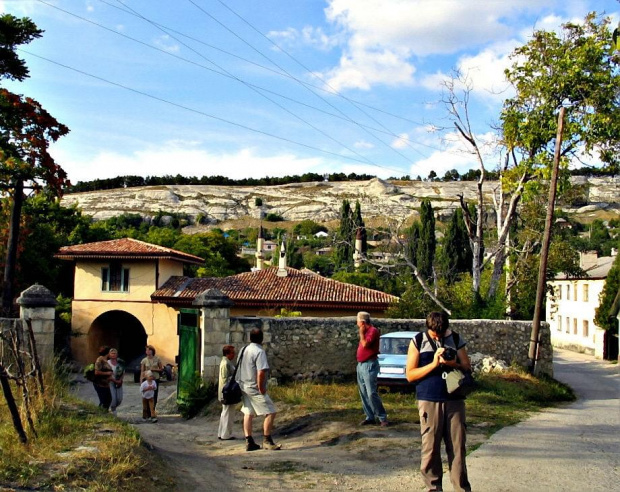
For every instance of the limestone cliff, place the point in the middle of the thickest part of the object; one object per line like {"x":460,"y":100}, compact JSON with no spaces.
{"x":318,"y":201}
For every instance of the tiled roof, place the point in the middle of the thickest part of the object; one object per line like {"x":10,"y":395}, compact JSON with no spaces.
{"x":125,"y":248}
{"x":300,"y":288}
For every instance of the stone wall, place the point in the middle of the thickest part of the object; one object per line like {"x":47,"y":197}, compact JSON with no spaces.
{"x":324,"y":348}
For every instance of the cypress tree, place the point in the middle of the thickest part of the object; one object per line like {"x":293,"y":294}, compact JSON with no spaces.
{"x":428,"y":243}
{"x":343,"y":254}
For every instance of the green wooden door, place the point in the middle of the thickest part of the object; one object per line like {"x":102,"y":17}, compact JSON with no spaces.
{"x":188,"y":330}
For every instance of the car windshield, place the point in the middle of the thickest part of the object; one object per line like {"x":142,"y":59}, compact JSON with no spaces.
{"x":394,"y":346}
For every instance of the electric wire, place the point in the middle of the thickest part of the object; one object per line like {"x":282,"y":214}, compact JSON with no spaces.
{"x":313,"y":73}
{"x":322,"y":89}
{"x":187,"y":60}
{"x":365,"y":159}
{"x":193,"y":110}
{"x":294,"y":78}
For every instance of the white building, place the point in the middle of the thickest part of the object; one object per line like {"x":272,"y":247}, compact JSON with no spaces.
{"x":571,"y":305}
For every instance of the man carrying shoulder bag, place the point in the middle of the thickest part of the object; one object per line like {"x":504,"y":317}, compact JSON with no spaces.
{"x":431,"y":356}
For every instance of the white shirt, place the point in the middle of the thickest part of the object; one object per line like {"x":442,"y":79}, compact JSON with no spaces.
{"x":254,"y":360}
{"x":147,"y":394}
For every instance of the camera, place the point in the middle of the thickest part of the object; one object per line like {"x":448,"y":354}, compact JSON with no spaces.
{"x":449,"y":353}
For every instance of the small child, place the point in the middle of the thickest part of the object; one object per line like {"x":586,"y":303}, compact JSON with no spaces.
{"x":147,"y":388}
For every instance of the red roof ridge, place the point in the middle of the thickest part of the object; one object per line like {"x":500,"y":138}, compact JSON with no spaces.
{"x":124,"y":247}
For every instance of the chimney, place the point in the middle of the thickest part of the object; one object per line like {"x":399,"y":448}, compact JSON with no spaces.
{"x":282,"y":261}
{"x":260,"y":244}
{"x":357,"y":254}
{"x":588,"y":259}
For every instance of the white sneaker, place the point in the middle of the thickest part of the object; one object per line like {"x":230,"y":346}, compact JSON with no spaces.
{"x":154,"y":419}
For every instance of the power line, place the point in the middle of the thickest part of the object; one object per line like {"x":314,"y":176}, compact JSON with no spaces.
{"x":196,"y":111}
{"x":314,"y":74}
{"x":368,"y":161}
{"x":277,"y":72}
{"x":281,"y":72}
{"x":187,"y":60}
{"x":294,"y":78}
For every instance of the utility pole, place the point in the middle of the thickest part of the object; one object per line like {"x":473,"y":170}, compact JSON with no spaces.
{"x":544,"y":253}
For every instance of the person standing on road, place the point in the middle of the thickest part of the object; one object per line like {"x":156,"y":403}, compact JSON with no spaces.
{"x":116,"y":382}
{"x":442,"y":416}
{"x":252,"y":375}
{"x":103,"y":375}
{"x":227,"y":417}
{"x":367,"y":371}
{"x":151,"y":363}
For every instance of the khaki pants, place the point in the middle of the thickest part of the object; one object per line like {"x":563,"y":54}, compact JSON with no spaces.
{"x":148,"y":408}
{"x":443,"y":421}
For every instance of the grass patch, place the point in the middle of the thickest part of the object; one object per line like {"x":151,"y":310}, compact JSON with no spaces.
{"x":77,"y":448}
{"x":502,"y":399}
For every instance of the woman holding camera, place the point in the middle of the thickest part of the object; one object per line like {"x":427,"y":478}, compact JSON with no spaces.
{"x":430,"y":357}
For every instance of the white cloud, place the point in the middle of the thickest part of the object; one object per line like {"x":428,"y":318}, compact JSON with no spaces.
{"x":363,"y":144}
{"x":398,"y":30}
{"x":308,"y":36}
{"x":189,"y":160}
{"x":401,"y":142}
{"x":166,"y":43}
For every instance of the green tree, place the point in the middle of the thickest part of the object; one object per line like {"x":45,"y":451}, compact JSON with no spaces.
{"x":358,"y":223}
{"x":308,"y":228}
{"x":607,"y":297}
{"x":425,"y":254}
{"x":456,"y":253}
{"x":343,"y":250}
{"x":26,"y":130}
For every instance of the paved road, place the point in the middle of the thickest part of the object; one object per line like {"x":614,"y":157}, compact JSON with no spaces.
{"x":575,"y":447}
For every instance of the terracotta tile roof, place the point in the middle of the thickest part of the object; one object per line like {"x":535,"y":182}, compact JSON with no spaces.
{"x":125,"y":248}
{"x":300,"y":288}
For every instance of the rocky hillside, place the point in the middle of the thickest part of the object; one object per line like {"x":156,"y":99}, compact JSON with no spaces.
{"x":319,"y":201}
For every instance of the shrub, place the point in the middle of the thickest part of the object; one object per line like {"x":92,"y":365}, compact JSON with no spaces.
{"x":199,"y":395}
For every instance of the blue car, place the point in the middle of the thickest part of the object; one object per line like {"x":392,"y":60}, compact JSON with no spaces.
{"x":393,"y":349}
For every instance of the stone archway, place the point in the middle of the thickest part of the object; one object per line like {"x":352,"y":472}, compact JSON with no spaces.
{"x":121,"y":330}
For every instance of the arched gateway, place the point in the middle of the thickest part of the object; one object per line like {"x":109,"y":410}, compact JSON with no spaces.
{"x":118,"y":329}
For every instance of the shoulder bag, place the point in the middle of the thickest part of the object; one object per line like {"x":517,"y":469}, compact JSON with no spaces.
{"x":231,"y":392}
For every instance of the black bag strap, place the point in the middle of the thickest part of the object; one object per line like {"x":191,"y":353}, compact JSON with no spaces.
{"x":431,"y":341}
{"x":238,"y":363}
{"x":417,"y":340}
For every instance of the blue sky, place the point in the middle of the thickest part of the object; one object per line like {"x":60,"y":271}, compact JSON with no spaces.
{"x":259,"y":88}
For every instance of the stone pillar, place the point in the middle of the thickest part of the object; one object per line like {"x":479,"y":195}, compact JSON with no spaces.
{"x":36,"y":305}
{"x":215,"y":329}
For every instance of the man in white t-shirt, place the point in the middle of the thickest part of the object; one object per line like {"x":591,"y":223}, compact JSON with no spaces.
{"x":252,"y":376}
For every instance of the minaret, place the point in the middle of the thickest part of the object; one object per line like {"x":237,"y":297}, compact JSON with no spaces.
{"x":282,"y":261}
{"x":357,"y":254}
{"x":260,"y":244}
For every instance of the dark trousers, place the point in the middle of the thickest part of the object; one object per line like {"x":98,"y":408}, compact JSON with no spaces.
{"x":105,"y":396}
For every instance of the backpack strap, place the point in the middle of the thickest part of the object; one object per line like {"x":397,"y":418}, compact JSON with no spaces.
{"x":457,"y":339}
{"x":417,"y":340}
{"x":238,"y":363}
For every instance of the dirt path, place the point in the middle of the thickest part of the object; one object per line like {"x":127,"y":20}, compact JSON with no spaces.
{"x":317,"y":453}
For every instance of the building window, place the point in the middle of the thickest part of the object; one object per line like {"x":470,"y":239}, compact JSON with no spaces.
{"x":568,"y":292}
{"x":586,"y":328}
{"x":559,"y":292}
{"x":115,"y":278}
{"x":586,"y":292}
{"x":567,"y":325}
{"x":574,"y":326}
{"x":559,"y":323}
{"x":575,"y":291}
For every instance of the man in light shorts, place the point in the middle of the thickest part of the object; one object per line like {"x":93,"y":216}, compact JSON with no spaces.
{"x":252,"y":376}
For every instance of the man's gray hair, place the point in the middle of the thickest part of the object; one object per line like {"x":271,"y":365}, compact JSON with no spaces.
{"x":363,"y":316}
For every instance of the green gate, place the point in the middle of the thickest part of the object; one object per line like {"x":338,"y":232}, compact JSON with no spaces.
{"x":188,"y":360}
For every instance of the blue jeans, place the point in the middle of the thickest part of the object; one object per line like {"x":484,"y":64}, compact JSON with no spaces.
{"x":367,"y":384}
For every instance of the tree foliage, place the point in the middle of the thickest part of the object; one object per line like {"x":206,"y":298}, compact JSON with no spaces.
{"x":607,"y":297}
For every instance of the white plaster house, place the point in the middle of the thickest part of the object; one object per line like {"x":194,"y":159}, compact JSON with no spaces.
{"x":571,"y":305}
